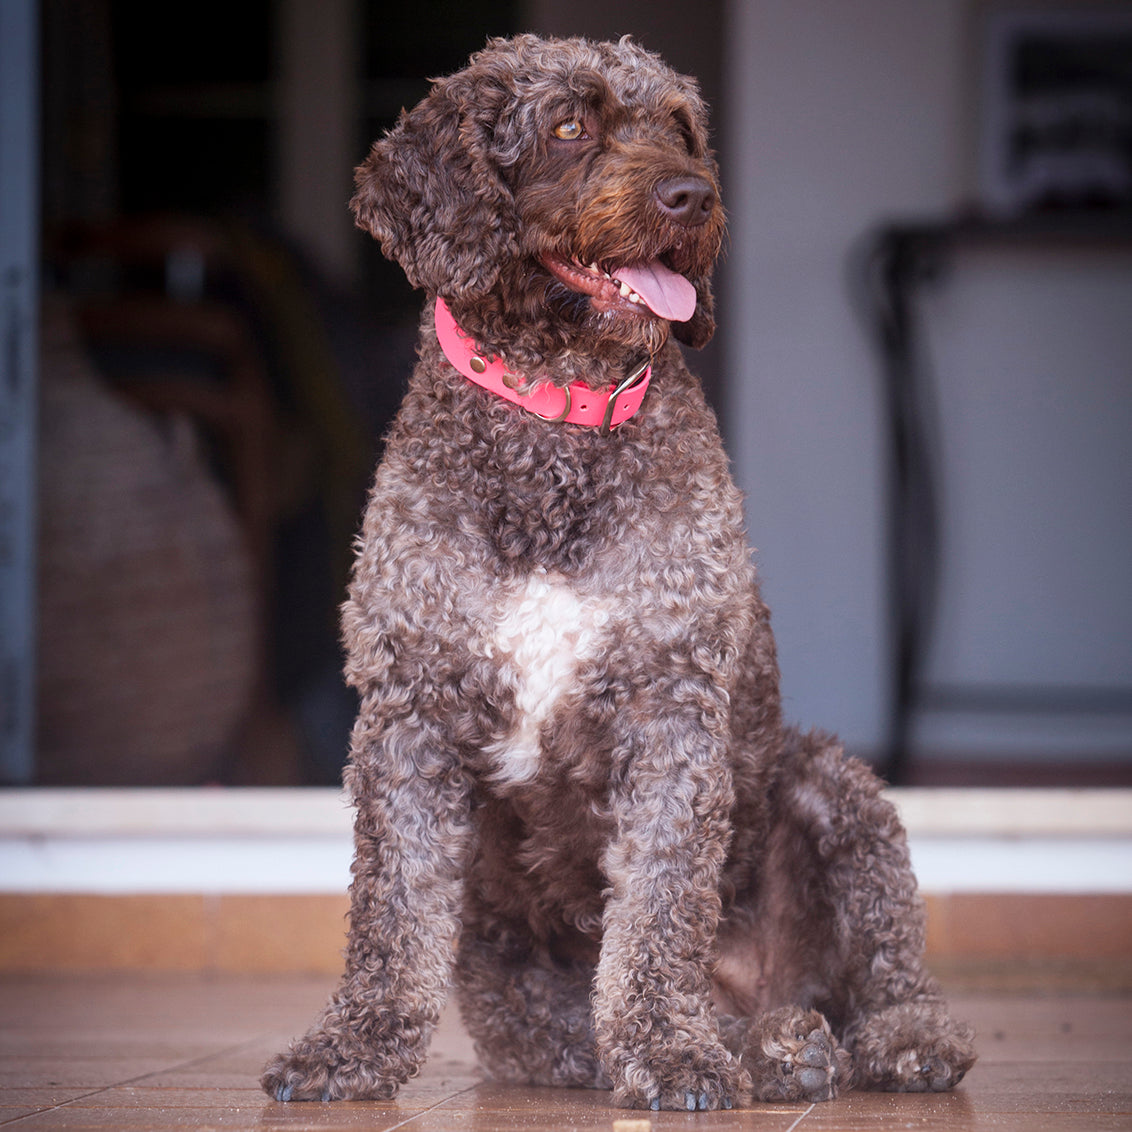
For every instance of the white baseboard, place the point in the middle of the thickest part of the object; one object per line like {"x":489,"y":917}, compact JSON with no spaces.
{"x":294,"y":840}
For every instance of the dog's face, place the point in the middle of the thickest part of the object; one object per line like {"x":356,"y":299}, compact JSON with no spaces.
{"x":555,"y":184}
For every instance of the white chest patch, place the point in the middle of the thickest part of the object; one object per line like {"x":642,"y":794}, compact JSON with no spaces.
{"x":545,"y":630}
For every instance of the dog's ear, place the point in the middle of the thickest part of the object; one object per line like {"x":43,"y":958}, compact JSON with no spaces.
{"x":431,"y":194}
{"x":697,"y":332}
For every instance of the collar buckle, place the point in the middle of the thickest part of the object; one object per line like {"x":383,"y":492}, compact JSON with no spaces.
{"x":634,"y":378}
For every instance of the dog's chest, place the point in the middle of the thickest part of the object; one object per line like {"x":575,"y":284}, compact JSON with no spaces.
{"x":544,"y":632}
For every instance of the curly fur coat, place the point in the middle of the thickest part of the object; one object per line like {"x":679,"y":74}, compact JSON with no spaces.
{"x":576,"y":797}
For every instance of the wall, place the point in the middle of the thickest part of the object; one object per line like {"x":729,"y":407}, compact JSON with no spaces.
{"x":1033,"y":355}
{"x":843,"y":114}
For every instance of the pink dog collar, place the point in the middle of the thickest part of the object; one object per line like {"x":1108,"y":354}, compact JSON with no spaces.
{"x":574,"y":404}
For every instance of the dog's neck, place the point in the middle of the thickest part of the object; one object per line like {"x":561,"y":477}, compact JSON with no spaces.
{"x":576,"y":403}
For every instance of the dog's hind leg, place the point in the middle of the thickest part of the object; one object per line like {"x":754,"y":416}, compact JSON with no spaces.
{"x":411,"y":834}
{"x":888,"y":1011}
{"x":527,"y":1009}
{"x":791,"y":1054}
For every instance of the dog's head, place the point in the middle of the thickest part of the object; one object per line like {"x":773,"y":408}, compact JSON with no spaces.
{"x":558,"y":184}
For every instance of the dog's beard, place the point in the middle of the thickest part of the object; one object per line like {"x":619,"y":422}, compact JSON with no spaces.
{"x":603,"y":329}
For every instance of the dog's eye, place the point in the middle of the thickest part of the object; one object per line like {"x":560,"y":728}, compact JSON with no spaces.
{"x":687,"y":133}
{"x":571,"y":130}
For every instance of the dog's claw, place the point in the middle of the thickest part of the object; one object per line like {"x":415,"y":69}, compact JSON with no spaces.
{"x":693,"y":1102}
{"x":283,"y":1093}
{"x":727,"y":1102}
{"x":654,"y":1104}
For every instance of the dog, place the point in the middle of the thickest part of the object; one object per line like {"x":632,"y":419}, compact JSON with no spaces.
{"x":576,"y":798}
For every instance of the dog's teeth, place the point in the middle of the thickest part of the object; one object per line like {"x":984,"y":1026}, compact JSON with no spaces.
{"x":625,"y":292}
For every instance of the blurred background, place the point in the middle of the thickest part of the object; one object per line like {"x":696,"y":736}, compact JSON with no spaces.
{"x":923,"y":368}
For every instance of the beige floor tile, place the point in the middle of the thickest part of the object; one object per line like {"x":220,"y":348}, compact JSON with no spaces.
{"x":175,"y":1051}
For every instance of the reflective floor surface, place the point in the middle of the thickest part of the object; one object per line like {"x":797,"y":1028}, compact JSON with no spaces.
{"x":156,"y":1052}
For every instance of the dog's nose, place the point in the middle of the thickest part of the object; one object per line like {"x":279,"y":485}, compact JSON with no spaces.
{"x":687,"y":200}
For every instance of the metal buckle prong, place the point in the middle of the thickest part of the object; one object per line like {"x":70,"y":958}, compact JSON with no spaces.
{"x":630,"y":382}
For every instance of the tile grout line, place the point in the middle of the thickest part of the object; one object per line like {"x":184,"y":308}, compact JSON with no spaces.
{"x":55,"y":1107}
{"x":181,"y":1065}
{"x":125,"y":1084}
{"x":432,"y":1108}
{"x":801,"y":1118}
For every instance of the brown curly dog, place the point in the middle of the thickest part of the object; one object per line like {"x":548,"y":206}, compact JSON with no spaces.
{"x":575,"y":794}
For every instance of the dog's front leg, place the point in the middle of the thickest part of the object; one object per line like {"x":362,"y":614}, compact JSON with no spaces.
{"x":656,"y":1031}
{"x":411,"y":834}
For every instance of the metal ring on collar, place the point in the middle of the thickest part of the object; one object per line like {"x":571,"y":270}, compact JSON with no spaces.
{"x":565,"y":411}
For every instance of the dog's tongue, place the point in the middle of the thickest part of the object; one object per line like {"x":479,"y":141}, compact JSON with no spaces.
{"x":667,"y":294}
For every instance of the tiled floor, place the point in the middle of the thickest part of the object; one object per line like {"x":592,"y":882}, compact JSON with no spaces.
{"x":154,"y":1052}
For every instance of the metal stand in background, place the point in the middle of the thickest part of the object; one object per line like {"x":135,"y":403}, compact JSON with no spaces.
{"x":19,"y":251}
{"x":896,"y":261}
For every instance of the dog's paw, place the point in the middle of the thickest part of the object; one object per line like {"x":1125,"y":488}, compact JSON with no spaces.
{"x":697,"y":1080}
{"x":313,"y":1073}
{"x":793,"y":1056}
{"x":915,"y":1047}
